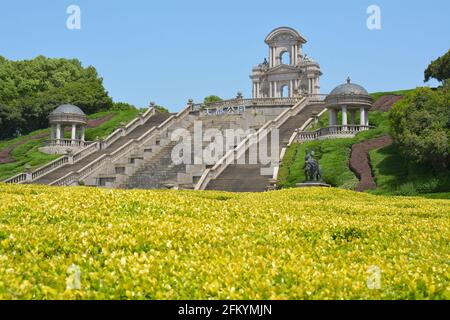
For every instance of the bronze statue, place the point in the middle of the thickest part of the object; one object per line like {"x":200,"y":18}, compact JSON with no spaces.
{"x":312,"y":169}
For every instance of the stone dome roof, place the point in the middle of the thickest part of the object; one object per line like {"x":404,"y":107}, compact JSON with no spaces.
{"x":68,"y":108}
{"x":349,"y":88}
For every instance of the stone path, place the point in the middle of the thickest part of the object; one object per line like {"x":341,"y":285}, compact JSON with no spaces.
{"x":359,"y":161}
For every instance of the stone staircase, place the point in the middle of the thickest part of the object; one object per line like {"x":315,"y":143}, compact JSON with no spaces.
{"x":247,"y":177}
{"x":139,"y":154}
{"x":153,"y":121}
{"x":160,"y":173}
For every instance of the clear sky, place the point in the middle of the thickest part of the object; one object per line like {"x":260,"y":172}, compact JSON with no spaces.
{"x":169,"y":51}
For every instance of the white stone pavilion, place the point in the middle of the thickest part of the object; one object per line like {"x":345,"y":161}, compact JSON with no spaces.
{"x":64,"y":116}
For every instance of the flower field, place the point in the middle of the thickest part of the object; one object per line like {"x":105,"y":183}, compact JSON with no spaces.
{"x":290,"y":244}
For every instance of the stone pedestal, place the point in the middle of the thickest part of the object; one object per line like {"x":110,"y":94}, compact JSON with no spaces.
{"x":312,"y":184}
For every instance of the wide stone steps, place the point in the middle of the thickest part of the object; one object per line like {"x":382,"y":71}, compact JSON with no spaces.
{"x":247,"y":177}
{"x":159,"y":172}
{"x":155,"y":120}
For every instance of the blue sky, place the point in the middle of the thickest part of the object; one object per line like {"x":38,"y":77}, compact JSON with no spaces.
{"x":169,"y":51}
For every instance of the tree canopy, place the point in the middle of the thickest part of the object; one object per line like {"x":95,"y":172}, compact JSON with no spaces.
{"x":420,"y":125}
{"x":31,"y":89}
{"x":211,"y":99}
{"x":439,"y":69}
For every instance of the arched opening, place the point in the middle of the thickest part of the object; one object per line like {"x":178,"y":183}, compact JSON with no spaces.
{"x":285,"y":91}
{"x":285,"y":58}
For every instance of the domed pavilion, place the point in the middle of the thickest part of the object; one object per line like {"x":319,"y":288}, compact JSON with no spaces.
{"x":349,"y":98}
{"x":63,"y":117}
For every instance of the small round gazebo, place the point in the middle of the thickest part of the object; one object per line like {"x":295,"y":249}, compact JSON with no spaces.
{"x":64,"y":116}
{"x":349,"y":98}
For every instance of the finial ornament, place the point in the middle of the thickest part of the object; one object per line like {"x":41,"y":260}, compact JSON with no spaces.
{"x":348,"y":79}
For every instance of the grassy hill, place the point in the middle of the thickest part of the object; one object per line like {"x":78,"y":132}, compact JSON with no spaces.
{"x":24,"y":150}
{"x":317,"y":243}
{"x":392,"y":173}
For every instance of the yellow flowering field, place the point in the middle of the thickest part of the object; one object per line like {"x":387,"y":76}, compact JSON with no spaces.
{"x":318,"y":243}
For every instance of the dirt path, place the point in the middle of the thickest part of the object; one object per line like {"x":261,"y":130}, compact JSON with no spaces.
{"x":5,"y":154}
{"x":359,"y":161}
{"x":385,"y":102}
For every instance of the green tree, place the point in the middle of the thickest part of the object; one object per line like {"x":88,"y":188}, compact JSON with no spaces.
{"x":123,"y":106}
{"x":162,"y":109}
{"x":439,"y":69}
{"x":10,"y":120}
{"x":31,"y":89}
{"x":420,"y":125}
{"x":211,"y":99}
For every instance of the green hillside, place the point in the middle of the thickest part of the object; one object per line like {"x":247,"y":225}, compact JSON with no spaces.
{"x":392,"y":173}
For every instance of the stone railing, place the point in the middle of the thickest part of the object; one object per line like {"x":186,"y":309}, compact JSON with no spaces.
{"x":20,"y":178}
{"x":240,"y":149}
{"x":316,"y":98}
{"x":71,"y":159}
{"x":127,"y":148}
{"x":85,"y":152}
{"x":52,"y":166}
{"x":42,"y":171}
{"x":65,"y":143}
{"x":117,"y":134}
{"x":248,"y":103}
{"x":331,"y":132}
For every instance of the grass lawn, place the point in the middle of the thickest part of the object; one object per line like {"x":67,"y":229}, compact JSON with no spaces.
{"x":26,"y":154}
{"x":333,"y":156}
{"x":377,"y":95}
{"x":394,"y":175}
{"x":109,"y":126}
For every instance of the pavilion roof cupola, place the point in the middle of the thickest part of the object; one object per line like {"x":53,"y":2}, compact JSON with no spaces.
{"x":287,"y":72}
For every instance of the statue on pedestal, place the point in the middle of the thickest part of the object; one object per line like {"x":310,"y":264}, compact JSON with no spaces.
{"x":312,"y":169}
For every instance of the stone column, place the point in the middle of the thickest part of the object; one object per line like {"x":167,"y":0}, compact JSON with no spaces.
{"x":273,"y":57}
{"x":344,"y":117}
{"x":275,"y":89}
{"x":58,"y":131}
{"x":330,"y":117}
{"x":74,"y":133}
{"x":270,"y":57}
{"x":332,"y":120}
{"x":367,"y":117}
{"x":295,"y":55}
{"x":83,"y":133}
{"x":270,"y":89}
{"x":352,"y":117}
{"x":362,"y":116}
